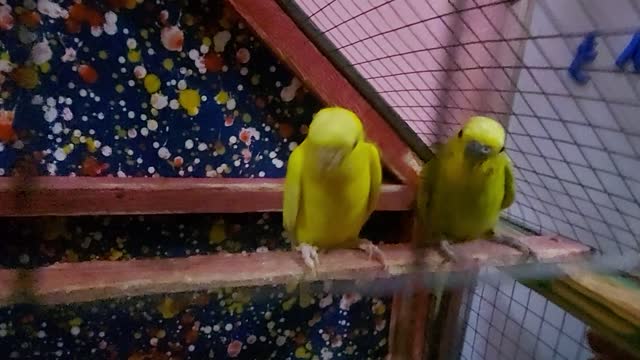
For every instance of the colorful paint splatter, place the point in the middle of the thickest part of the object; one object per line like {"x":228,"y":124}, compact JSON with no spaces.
{"x":222,"y":325}
{"x":33,"y":242}
{"x":159,"y":88}
{"x":132,"y":88}
{"x":272,"y":322}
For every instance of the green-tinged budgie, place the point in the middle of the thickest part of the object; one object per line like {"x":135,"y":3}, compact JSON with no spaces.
{"x":463,"y":190}
{"x":332,"y":185}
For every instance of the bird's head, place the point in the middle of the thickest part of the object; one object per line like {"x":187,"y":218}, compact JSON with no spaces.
{"x":333,"y":134}
{"x":482,"y":138}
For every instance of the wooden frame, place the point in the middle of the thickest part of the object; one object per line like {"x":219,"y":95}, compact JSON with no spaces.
{"x":108,"y":195}
{"x":328,"y":49}
{"x":292,"y":47}
{"x":609,"y":304}
{"x":78,"y":282}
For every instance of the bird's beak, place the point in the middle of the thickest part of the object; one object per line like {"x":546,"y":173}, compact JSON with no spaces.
{"x":330,"y":159}
{"x":476,"y":151}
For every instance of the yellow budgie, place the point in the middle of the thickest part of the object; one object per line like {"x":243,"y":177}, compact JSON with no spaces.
{"x":463,"y":190}
{"x":466,"y":185}
{"x":332,"y":185}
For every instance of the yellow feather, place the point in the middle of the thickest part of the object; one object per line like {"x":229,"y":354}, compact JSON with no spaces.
{"x":327,"y":208}
{"x":463,"y":201}
{"x":459,"y":198}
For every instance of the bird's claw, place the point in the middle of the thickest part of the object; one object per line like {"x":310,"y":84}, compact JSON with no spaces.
{"x":452,"y":256}
{"x":448,"y":251}
{"x":527,"y":252}
{"x":309,"y":255}
{"x":373,"y":251}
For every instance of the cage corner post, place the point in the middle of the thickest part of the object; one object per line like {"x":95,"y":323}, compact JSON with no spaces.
{"x":409,"y":311}
{"x":409,"y":332}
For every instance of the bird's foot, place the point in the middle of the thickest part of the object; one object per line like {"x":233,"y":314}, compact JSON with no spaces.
{"x":451,"y":255}
{"x":373,"y":251}
{"x":527,"y":252}
{"x":309,"y":255}
{"x":448,"y":251}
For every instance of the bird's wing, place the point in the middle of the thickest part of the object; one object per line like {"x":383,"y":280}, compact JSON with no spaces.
{"x":509,"y":184}
{"x":375,"y":177}
{"x":425,"y":189}
{"x":292,"y":191}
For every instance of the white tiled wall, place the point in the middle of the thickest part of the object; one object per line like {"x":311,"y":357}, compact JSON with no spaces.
{"x":576,"y":148}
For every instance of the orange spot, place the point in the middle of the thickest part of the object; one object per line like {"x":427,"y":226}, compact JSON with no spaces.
{"x":38,"y":155}
{"x":94,"y":18}
{"x":7,"y":133}
{"x":243,"y":55}
{"x":187,"y":319}
{"x":245,"y":136}
{"x":153,"y":354}
{"x":27,"y":319}
{"x":228,"y":121}
{"x":285,"y":130}
{"x":229,"y":14}
{"x":80,"y":14}
{"x":178,"y":161}
{"x":260,"y":102}
{"x":77,"y":12}
{"x":72,"y":26}
{"x":213,"y":62}
{"x":87,"y":73}
{"x":92,"y":167}
{"x":6,"y":19}
{"x":246,"y":155}
{"x":118,"y":4}
{"x":300,"y":339}
{"x":172,"y":38}
{"x":201,"y":300}
{"x":31,"y":19}
{"x":234,"y":348}
{"x":191,"y":336}
{"x":270,"y":120}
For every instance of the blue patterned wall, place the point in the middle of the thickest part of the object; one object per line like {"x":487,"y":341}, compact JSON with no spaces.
{"x":246,"y":117}
{"x":250,"y":114}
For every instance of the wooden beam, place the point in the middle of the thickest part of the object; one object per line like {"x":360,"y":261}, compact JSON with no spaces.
{"x":289,"y":43}
{"x":94,"y":280}
{"x":51,"y":195}
{"x":608,"y":303}
{"x":605,"y":349}
{"x":408,"y":310}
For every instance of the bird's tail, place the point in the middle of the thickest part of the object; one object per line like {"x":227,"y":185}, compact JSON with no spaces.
{"x":306,"y":297}
{"x":436,"y":318}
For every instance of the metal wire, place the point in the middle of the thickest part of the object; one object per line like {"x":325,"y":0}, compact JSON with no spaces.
{"x":576,"y":149}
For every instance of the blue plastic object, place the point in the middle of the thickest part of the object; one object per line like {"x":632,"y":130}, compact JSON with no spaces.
{"x":586,"y":54}
{"x":631,"y":51}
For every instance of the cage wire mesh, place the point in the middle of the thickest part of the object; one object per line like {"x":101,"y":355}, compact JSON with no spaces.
{"x":575,"y":147}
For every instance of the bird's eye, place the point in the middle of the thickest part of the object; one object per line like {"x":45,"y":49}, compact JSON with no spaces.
{"x":460,"y":133}
{"x":502,"y":149}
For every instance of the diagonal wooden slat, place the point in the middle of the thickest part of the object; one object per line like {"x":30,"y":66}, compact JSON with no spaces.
{"x":290,"y":44}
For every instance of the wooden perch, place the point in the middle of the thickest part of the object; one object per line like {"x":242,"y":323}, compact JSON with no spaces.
{"x":604,"y":349}
{"x":608,"y":303}
{"x":95,"y":280}
{"x":108,"y":196}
